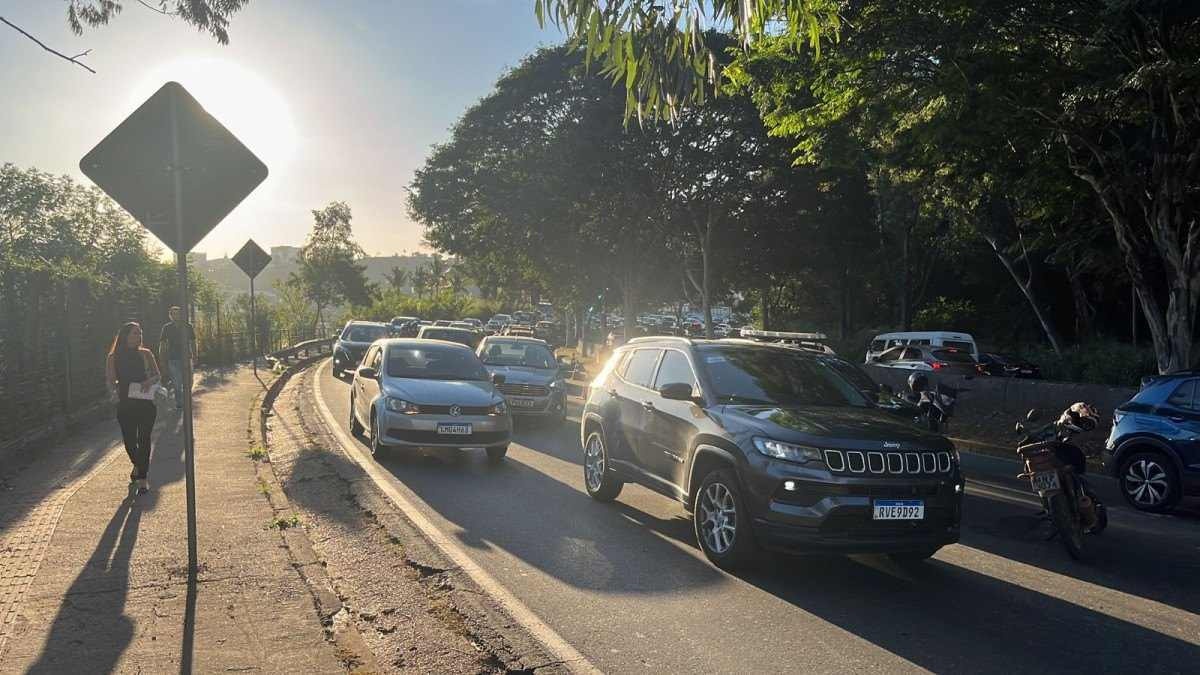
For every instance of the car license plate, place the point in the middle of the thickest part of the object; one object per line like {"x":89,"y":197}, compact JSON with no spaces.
{"x":454,"y":429}
{"x":1046,"y":480}
{"x":521,"y":402}
{"x":899,"y":509}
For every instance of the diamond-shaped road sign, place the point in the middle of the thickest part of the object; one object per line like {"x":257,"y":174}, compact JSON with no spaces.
{"x":134,"y":165}
{"x":251,"y":258}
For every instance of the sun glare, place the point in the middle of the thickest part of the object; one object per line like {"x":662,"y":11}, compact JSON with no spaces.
{"x":247,"y":104}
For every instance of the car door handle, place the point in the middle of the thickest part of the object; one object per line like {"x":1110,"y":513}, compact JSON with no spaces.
{"x":1175,"y":419}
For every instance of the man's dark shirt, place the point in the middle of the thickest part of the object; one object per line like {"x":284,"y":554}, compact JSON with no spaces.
{"x":172,"y":335}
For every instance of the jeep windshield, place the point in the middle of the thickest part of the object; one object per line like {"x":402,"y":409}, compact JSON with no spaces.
{"x":435,"y":363}
{"x":518,"y":353}
{"x":364,"y":333}
{"x":764,"y":376}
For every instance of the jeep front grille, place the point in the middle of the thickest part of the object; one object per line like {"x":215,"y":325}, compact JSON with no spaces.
{"x":885,"y":463}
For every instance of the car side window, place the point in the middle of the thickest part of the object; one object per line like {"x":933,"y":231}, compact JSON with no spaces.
{"x":674,"y":368}
{"x":640,"y":368}
{"x":911,"y":354}
{"x":1184,"y":396}
{"x":890,"y":355}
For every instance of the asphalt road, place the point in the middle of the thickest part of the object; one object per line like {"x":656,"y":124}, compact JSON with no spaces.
{"x":625,"y":584}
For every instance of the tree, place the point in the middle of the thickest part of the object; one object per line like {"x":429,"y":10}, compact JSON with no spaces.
{"x":329,"y":272}
{"x":210,"y":16}
{"x":657,"y":49}
{"x":397,"y":278}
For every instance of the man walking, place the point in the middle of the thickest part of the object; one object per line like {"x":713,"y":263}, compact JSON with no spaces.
{"x":177,"y":342}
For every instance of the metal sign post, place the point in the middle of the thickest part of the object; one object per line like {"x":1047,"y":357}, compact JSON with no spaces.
{"x":252,"y":259}
{"x":179,"y":172}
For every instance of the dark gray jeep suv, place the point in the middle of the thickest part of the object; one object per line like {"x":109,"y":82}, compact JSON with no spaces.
{"x":768,"y":447}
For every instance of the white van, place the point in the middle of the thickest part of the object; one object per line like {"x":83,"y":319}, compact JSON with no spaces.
{"x":932,"y":338}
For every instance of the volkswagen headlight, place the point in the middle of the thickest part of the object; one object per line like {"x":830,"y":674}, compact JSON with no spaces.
{"x":500,"y":408}
{"x":787,"y":451}
{"x":399,"y":405}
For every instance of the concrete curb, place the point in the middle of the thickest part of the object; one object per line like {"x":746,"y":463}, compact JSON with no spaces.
{"x":352,"y":650}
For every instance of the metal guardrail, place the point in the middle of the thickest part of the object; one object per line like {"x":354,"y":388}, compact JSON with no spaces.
{"x":304,"y":349}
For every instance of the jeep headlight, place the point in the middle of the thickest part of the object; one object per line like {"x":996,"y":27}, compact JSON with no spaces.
{"x":399,"y":405}
{"x":790,"y":452}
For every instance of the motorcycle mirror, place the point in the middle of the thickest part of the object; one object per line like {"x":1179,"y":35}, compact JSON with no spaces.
{"x":1032,"y":415}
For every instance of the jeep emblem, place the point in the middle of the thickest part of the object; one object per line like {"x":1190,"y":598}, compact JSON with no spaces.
{"x":891,"y":445}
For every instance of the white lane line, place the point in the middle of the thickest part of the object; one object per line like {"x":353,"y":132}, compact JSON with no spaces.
{"x":554,"y":643}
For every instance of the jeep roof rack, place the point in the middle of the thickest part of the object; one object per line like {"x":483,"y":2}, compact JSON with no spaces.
{"x":783,"y":335}
{"x":656,"y":338}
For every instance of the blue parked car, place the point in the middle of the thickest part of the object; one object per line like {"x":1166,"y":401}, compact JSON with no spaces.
{"x":1154,"y":447}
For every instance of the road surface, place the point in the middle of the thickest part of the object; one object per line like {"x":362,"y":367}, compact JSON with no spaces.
{"x":625,"y":585}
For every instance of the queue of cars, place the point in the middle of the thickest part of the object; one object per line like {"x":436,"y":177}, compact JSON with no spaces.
{"x":447,"y":385}
{"x":945,"y":352}
{"x":770,"y":441}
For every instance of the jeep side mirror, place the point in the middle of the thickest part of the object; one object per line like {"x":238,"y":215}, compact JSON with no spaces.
{"x":676,"y":391}
{"x":498,"y":378}
{"x":368,"y":373}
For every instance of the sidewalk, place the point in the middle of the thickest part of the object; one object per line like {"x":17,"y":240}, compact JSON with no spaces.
{"x":91,"y":581}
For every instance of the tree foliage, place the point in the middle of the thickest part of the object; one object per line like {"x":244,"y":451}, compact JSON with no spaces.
{"x":329,"y":269}
{"x":208,"y":16}
{"x":657,"y":50}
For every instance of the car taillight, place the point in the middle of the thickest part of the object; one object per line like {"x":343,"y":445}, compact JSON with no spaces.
{"x":938,"y":365}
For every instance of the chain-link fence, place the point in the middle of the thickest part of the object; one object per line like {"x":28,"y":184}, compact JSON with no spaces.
{"x":55,"y":335}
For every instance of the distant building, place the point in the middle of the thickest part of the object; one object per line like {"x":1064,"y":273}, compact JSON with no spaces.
{"x":197,"y":258}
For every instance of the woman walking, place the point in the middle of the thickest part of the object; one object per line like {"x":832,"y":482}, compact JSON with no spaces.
{"x":132,"y":369}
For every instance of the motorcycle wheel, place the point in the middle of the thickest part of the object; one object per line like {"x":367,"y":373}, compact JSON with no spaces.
{"x":1068,"y":523}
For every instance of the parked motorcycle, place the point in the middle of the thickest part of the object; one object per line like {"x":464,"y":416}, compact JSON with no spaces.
{"x":934,"y":406}
{"x":1055,"y":467}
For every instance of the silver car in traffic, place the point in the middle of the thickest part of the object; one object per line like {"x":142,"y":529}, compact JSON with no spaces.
{"x":533,"y":380}
{"x":428,"y":393}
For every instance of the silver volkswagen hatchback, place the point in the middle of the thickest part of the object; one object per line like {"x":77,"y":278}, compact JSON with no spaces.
{"x":428,"y":393}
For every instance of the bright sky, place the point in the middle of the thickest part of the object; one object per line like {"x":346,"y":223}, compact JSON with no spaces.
{"x":340,"y":98}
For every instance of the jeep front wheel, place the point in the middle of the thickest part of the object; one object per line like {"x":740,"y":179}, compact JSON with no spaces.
{"x":722,"y":523}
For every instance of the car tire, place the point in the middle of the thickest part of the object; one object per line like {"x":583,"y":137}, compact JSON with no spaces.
{"x":722,"y":522}
{"x":1149,"y":482}
{"x":496,"y":454}
{"x":378,"y":447}
{"x":598,"y":479}
{"x":356,"y":427}
{"x":912,"y":557}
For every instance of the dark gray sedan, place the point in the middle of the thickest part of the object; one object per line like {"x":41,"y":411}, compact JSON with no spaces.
{"x":533,"y":380}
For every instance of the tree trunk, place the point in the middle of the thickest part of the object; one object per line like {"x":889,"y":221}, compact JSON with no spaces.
{"x":906,"y":280}
{"x":1084,"y":311}
{"x":1027,"y":290}
{"x":845,"y":323}
{"x":765,"y":300}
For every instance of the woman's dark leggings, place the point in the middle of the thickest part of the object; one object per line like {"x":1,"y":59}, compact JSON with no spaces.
{"x":136,"y":418}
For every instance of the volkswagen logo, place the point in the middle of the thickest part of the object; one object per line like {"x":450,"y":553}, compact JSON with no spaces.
{"x":455,"y":411}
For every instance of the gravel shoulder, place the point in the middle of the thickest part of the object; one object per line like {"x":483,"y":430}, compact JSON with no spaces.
{"x":414,"y":609}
